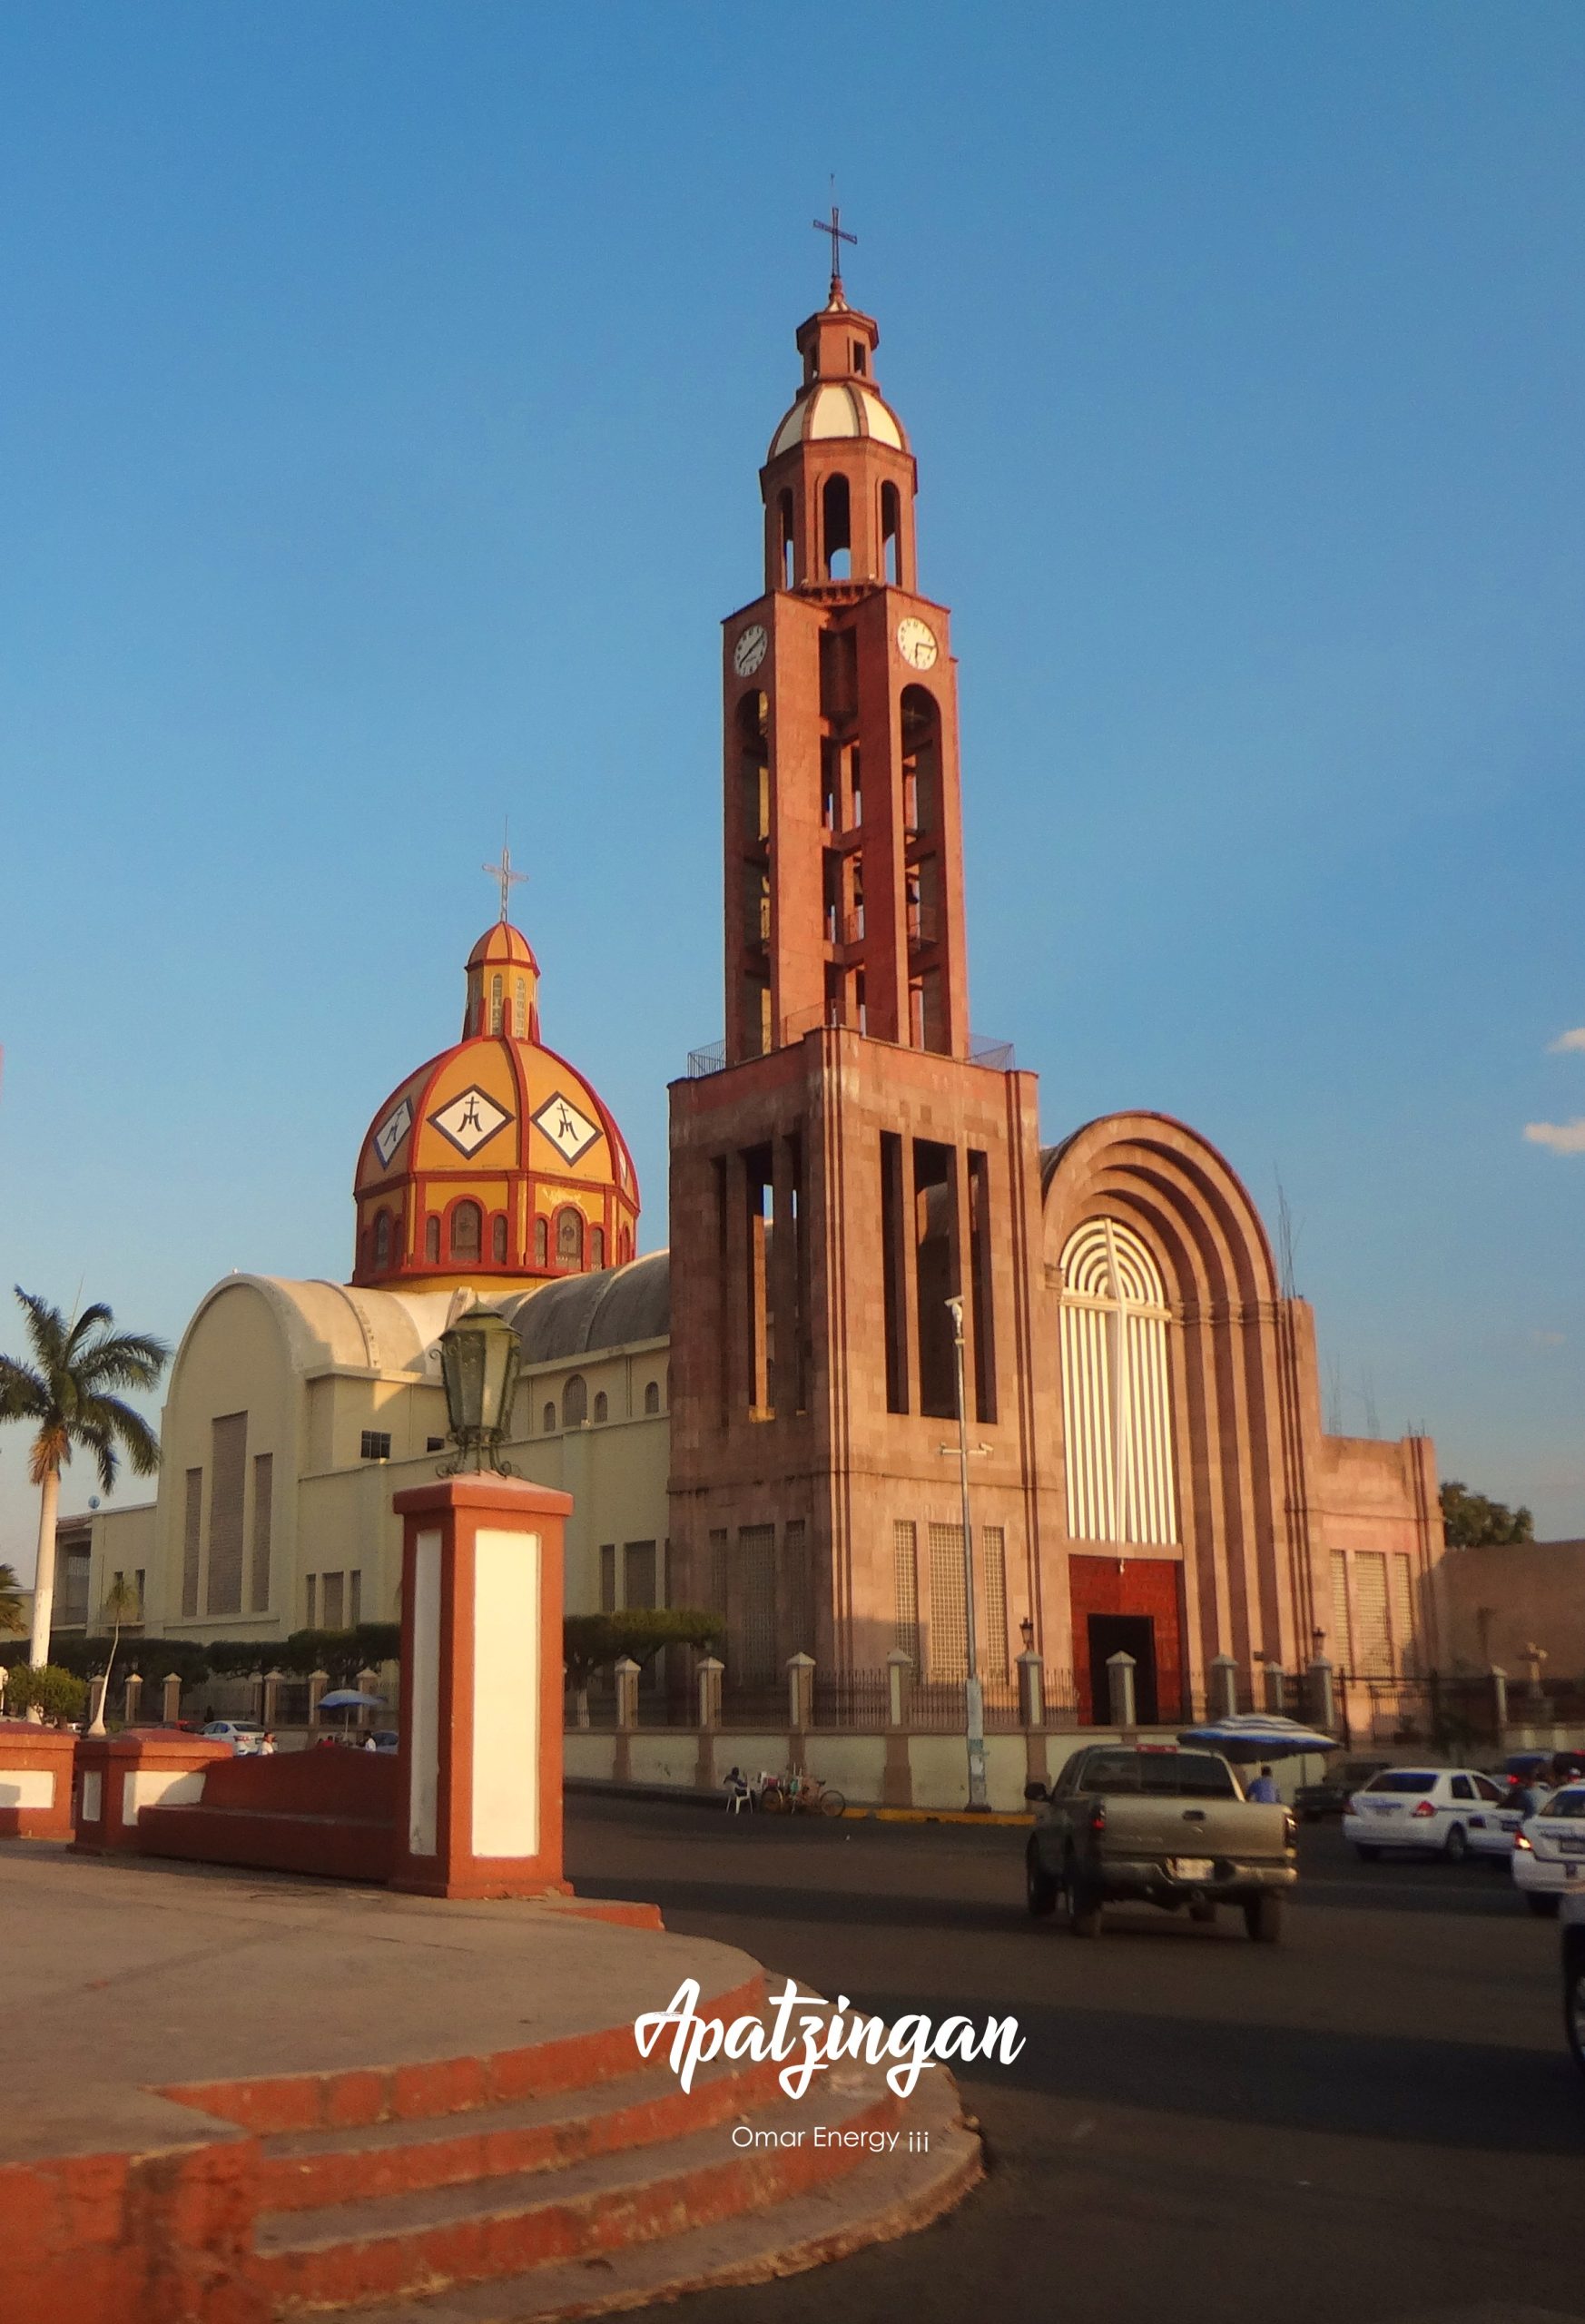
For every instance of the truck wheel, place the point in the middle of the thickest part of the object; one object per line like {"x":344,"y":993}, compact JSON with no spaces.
{"x":1262,"y":1918}
{"x":1082,"y":1905}
{"x":1545,"y":1908}
{"x":1039,"y":1888}
{"x":1456,"y":1845}
{"x":1367,"y":1855}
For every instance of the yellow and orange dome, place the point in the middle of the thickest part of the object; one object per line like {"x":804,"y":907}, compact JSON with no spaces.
{"x":497,"y":1159}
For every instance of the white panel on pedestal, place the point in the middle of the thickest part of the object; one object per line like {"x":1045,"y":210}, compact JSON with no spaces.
{"x":92,"y":1796}
{"x":151,"y":1789}
{"x":507,"y":1675}
{"x":424,"y":1739}
{"x":27,"y":1787}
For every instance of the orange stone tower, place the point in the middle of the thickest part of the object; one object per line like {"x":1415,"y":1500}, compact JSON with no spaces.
{"x":847,"y":1166}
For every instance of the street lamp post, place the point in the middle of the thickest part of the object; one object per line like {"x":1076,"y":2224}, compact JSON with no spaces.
{"x":973,"y":1693}
{"x":479,"y":1357}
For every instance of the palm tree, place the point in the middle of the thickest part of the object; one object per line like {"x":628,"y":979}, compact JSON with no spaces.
{"x":66,"y":1392}
{"x":13,"y":1620}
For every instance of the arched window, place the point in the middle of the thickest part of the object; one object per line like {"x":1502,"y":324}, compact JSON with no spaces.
{"x":624,"y":1245}
{"x":569,"y":1239}
{"x":541,"y":1242}
{"x":495,"y":1004}
{"x":1117,"y":1407}
{"x":602,"y":1406}
{"x":597,"y":1246}
{"x":784,"y":518}
{"x":550,"y":1420}
{"x":498,"y":1240}
{"x":382,"y":1238}
{"x":432,"y":1240}
{"x":836,"y":528}
{"x":520,"y":1007}
{"x":575,"y":1401}
{"x":890,"y":529}
{"x":466,"y":1231}
{"x":651,"y":1397}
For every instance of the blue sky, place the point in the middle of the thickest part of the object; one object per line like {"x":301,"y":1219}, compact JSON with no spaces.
{"x":384,"y":394}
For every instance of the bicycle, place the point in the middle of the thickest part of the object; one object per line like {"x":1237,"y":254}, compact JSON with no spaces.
{"x":800,"y":1795}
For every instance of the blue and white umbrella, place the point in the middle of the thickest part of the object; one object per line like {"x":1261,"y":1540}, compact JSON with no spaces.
{"x":1259,"y":1735}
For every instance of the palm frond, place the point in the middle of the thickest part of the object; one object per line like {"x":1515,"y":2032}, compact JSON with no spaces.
{"x":104,"y":1422}
{"x":52,"y":1451}
{"x":46,"y":1329}
{"x":126,"y":1360}
{"x":23,"y":1395}
{"x":91,"y":1319}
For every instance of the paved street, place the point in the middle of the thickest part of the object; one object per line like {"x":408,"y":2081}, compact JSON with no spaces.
{"x":1376,"y":2120}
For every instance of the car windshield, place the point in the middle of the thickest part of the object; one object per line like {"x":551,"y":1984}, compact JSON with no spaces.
{"x":1161,"y":1774}
{"x":1403,"y":1779}
{"x":1568,"y":1804}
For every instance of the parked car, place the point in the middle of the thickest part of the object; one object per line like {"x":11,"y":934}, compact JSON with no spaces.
{"x":1438,"y":1811}
{"x":243,"y":1735}
{"x":1549,"y":1851}
{"x":1574,"y":1977}
{"x":1545,"y":1768}
{"x":1332,"y":1795}
{"x":1157,"y":1826}
{"x":385,"y":1738}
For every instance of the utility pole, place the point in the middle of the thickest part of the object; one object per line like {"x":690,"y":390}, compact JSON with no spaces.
{"x":973,"y":1693}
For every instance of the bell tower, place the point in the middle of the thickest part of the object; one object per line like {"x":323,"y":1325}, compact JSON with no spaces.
{"x":849,"y":1160}
{"x":843,"y":847}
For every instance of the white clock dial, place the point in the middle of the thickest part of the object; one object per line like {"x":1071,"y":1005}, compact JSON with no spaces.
{"x":751,"y":649}
{"x":916,"y":641}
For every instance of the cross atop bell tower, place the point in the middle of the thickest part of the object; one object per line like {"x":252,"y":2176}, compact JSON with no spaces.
{"x":843,"y":850}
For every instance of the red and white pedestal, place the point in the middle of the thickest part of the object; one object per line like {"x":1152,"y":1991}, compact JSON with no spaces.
{"x":479,"y":1760}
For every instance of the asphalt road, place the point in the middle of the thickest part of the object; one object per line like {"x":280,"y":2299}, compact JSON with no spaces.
{"x":1375,"y":2120}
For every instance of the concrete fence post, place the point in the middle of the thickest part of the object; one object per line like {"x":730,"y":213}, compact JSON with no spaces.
{"x":171,"y":1698}
{"x":1222,"y":1677}
{"x":709,"y":1675}
{"x":626,"y":1677}
{"x":270,"y":1714}
{"x":256,"y":1696}
{"x":319,"y":1684}
{"x":899,"y":1687}
{"x":1500,"y":1699}
{"x":368,"y":1680}
{"x":1120,"y":1669}
{"x":1032,"y":1690}
{"x":800,"y":1692}
{"x":1277,"y":1686}
{"x":133,"y":1697}
{"x":1322,"y":1700}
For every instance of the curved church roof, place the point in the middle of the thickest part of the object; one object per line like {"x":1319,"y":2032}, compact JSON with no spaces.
{"x":590,"y":1312}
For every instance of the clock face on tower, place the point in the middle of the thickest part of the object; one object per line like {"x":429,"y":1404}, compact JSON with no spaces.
{"x":916,"y":641}
{"x":749,"y":650}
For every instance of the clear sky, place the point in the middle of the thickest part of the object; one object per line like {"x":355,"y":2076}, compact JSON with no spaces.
{"x":383,"y":394}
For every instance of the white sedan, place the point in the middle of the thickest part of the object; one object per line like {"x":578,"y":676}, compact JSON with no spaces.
{"x":245,"y":1736}
{"x":1548,"y":1854}
{"x":1453,"y":1812}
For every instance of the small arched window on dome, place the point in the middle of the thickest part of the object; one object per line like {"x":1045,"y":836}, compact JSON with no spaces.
{"x":382,"y":1239}
{"x":542,"y":1241}
{"x":569,"y":1240}
{"x":597,"y":1248}
{"x":575,"y":1401}
{"x":496,"y":991}
{"x":602,"y":1406}
{"x":466,"y":1231}
{"x":624,"y":1244}
{"x":550,"y":1420}
{"x":651,"y":1398}
{"x":432,"y":1240}
{"x":520,"y":1007}
{"x":499,"y":1240}
{"x":836,"y":528}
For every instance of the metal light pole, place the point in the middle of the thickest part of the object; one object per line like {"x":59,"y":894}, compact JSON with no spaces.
{"x":973,"y":1693}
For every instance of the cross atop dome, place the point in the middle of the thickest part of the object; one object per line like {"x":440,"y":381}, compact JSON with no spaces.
{"x":839,"y":234}
{"x":504,"y":872}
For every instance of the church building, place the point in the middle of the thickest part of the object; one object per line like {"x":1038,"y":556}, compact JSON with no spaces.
{"x":867,"y":1220}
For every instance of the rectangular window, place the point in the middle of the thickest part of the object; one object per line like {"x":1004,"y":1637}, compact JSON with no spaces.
{"x":434,"y":1444}
{"x":893,"y":1260}
{"x":798,"y":1586}
{"x":638,"y":1573}
{"x":993,"y":1564}
{"x":1401,"y":1576}
{"x":139,"y":1578}
{"x":311,"y":1602}
{"x":1342,"y":1639}
{"x":228,"y":1474}
{"x":948,"y":1626}
{"x":718,"y":1571}
{"x":333,"y":1601}
{"x":354,"y":1598}
{"x":905,"y":1588}
{"x":374,"y":1445}
{"x":1370,"y":1590}
{"x":936,"y":1276}
{"x":756,"y":1549}
{"x":757,"y":1321}
{"x":979,"y":1265}
{"x":258,"y":1563}
{"x":607,"y":1577}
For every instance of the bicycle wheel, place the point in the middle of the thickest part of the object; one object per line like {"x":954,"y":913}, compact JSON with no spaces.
{"x":831,"y":1803}
{"x":773,"y":1803}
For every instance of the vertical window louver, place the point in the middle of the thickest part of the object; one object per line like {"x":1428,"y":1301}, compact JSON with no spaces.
{"x":1117,"y":1404}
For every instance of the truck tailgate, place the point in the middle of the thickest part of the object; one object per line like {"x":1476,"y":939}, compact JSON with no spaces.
{"x":1247,"y":1831}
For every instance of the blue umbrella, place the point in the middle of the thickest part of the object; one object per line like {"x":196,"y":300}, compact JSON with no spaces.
{"x":1259,"y":1735}
{"x":347,"y":1698}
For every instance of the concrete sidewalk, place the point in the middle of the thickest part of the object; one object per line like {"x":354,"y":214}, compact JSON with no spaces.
{"x":127,"y":1976}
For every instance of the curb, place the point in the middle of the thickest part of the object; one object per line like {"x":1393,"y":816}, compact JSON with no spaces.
{"x":676,"y":1796}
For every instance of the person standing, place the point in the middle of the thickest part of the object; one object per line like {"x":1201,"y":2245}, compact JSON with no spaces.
{"x":1264,"y":1788}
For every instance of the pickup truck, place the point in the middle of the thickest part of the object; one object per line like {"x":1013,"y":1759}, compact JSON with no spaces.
{"x":1157,"y":1826}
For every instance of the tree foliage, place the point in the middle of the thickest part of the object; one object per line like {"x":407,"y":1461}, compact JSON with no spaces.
{"x":1470,"y":1520}
{"x":67,"y":1392}
{"x":57,"y":1693}
{"x":595,"y":1643}
{"x":13,"y":1615}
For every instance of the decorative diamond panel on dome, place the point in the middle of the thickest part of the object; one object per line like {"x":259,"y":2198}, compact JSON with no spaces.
{"x":469,"y":1120}
{"x":392,"y":1130}
{"x":571,"y":1133}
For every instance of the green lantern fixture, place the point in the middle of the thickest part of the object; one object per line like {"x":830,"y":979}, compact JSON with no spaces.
{"x":479,"y":1357}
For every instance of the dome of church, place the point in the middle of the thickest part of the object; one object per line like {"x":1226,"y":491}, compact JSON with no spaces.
{"x":833,"y":407}
{"x":496,"y":1162}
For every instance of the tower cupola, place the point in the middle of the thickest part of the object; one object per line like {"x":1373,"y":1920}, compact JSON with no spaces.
{"x":839,"y":479}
